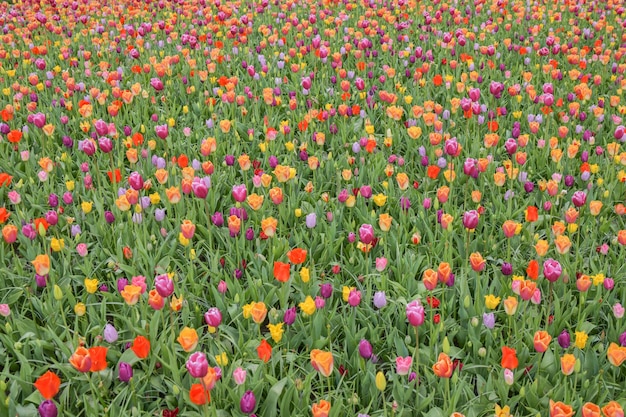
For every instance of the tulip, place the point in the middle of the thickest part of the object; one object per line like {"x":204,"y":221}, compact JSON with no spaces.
{"x":311,"y":220}
{"x":564,"y":339}
{"x":365,"y":349}
{"x":110,"y":334}
{"x":197,"y":365}
{"x":164,"y":285}
{"x":366,"y":234}
{"x":248,"y":402}
{"x":48,"y":409}
{"x":213,"y":317}
{"x":470,"y":219}
{"x":239,"y":376}
{"x":380,"y":300}
{"x":135,"y":181}
{"x":415,"y":313}
{"x":552,"y":270}
{"x":579,"y":198}
{"x":125,"y":372}
{"x":240,"y":193}
{"x":161,"y":131}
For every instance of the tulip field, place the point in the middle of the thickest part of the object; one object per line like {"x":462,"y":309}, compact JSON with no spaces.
{"x":283,"y":208}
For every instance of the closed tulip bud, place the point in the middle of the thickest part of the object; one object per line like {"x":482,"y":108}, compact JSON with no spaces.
{"x":110,"y":334}
{"x":213,"y":317}
{"x":48,"y":409}
{"x":509,"y":377}
{"x":564,"y":339}
{"x":125,"y":371}
{"x":381,"y":382}
{"x":290,"y":316}
{"x":380,"y":299}
{"x":365,"y":349}
{"x":248,"y":402}
{"x":58,"y":293}
{"x":239,"y":376}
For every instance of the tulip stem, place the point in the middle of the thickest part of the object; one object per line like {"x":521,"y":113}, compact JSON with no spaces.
{"x":417,"y":360}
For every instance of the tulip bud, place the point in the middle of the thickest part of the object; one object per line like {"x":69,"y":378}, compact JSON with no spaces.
{"x":58,"y":293}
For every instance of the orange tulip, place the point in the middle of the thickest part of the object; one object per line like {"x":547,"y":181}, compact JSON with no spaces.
{"x":9,"y":233}
{"x":568,"y":361}
{"x":48,"y":385}
{"x":199,"y":395}
{"x":255,"y":201}
{"x":322,"y":361}
{"x":444,"y":271}
{"x":613,"y":409}
{"x":532,"y":214}
{"x":98,"y":357}
{"x":258,"y":312}
{"x":81,"y":360}
{"x":559,"y":409}
{"x":321,"y":409}
{"x":268,"y":226}
{"x":297,"y":256}
{"x":264,"y":350}
{"x":430,"y":279}
{"x":533,"y":269}
{"x":509,"y":228}
{"x":141,"y":347}
{"x":509,"y":358}
{"x":41,"y":264}
{"x":14,"y":136}
{"x":131,"y":294}
{"x":477,"y":262}
{"x":443,"y":368}
{"x":591,"y":410}
{"x":616,"y":354}
{"x":188,"y":339}
{"x":542,"y":341}
{"x":563,"y":244}
{"x":282,"y":271}
{"x":188,"y":229}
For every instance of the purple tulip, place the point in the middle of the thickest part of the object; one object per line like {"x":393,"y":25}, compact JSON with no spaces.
{"x":197,"y":365}
{"x":366,"y":233}
{"x":199,"y":187}
{"x":380,"y":300}
{"x":135,"y":180}
{"x":110,"y":334}
{"x":109,"y":217}
{"x":164,"y":285}
{"x":48,"y":409}
{"x":125,"y":371}
{"x":552,"y":269}
{"x":489,"y":320}
{"x":564,"y":339}
{"x":248,"y":402}
{"x":579,"y":198}
{"x":470,"y":219}
{"x":240,"y":192}
{"x":161,"y":131}
{"x":290,"y":316}
{"x":105,"y":144}
{"x":365,"y":349}
{"x":326,"y":290}
{"x":53,"y":200}
{"x":415,"y":313}
{"x":311,"y":220}
{"x":213,"y":317}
